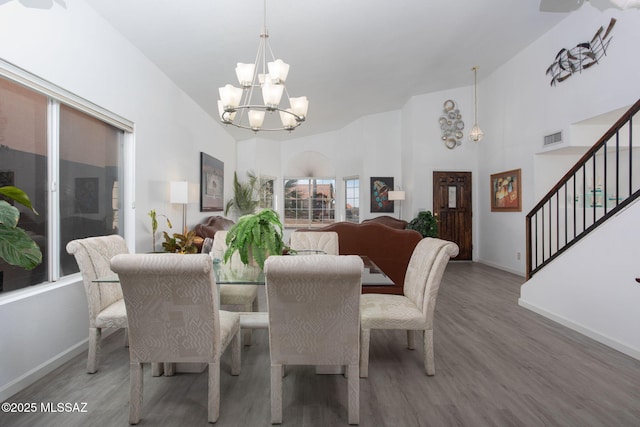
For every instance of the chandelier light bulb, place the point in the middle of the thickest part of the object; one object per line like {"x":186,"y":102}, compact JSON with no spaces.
{"x":244,"y":72}
{"x":256,"y":118}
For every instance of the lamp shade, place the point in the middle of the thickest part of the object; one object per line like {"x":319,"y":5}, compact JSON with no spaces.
{"x":179,"y":192}
{"x":395,"y":195}
{"x":278,"y":71}
{"x":230,"y":96}
{"x":244,"y":72}
{"x":299,"y":106}
{"x":255,"y":119}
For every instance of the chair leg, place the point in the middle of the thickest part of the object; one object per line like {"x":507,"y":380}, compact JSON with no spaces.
{"x":276,"y":394}
{"x":246,"y":333}
{"x":126,"y":337}
{"x":411,"y":339}
{"x":236,"y":350}
{"x":365,"y":335}
{"x":157,"y":369}
{"x":169,"y":369}
{"x":94,"y":349}
{"x":429,"y":362}
{"x":135,"y":385}
{"x":353,"y":383}
{"x":214,"y":391}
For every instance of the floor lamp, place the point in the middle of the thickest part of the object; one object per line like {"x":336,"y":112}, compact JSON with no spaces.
{"x":397,"y":195}
{"x":179,"y":193}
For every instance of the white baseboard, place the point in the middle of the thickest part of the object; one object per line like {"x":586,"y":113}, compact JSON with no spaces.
{"x":46,"y":367}
{"x":30,"y":377}
{"x":629,"y":351}
{"x":501,"y":267}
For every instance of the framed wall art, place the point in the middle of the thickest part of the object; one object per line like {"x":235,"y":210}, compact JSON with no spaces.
{"x":506,"y":191}
{"x":211,"y":183}
{"x":380,"y":187}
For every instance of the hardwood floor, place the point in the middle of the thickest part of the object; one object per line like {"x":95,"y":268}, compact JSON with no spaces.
{"x":497,"y":364}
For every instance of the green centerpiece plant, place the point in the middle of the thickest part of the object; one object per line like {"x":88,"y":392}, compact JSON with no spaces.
{"x":16,"y":246}
{"x":255,"y":237}
{"x":425,"y":223}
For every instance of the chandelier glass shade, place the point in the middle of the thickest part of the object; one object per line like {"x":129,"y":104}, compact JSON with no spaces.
{"x":476,"y":133}
{"x":262,"y":86}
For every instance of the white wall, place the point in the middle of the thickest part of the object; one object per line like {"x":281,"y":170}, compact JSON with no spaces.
{"x":518,"y":107}
{"x":591,"y":287}
{"x":77,"y":50}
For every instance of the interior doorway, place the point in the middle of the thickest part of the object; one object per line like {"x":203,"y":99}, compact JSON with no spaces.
{"x":452,"y":206}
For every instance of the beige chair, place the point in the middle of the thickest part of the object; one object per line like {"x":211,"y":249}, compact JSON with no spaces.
{"x":106,"y":306}
{"x":313,"y":304}
{"x":414,"y":310}
{"x":243,"y":298}
{"x":173,"y":313}
{"x":326,"y":241}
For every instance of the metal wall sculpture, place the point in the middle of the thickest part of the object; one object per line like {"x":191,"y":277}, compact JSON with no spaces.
{"x":584,"y":55}
{"x":451,"y":125}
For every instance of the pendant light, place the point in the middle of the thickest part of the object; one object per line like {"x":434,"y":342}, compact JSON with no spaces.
{"x":476,"y":133}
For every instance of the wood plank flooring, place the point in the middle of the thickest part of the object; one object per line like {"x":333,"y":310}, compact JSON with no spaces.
{"x":497,"y":364}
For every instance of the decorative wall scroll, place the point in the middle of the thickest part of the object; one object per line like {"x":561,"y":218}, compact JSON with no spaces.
{"x":451,"y":125}
{"x":581,"y":57}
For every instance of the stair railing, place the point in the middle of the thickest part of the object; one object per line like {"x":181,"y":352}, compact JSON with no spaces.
{"x":597,"y":187}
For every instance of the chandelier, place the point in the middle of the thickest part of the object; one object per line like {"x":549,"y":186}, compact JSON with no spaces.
{"x":476,"y":133}
{"x":242,"y":106}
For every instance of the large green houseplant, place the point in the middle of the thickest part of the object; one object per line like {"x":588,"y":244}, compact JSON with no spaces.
{"x":425,"y":223}
{"x":16,"y":246}
{"x":255,"y":237}
{"x":245,"y":198}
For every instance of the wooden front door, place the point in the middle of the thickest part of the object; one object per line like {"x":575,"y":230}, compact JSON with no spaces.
{"x":452,"y":206}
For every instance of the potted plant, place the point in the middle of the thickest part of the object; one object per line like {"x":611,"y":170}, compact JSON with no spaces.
{"x":255,"y":237}
{"x":154,"y":227}
{"x":425,"y":223}
{"x":180,"y":243}
{"x":16,"y":246}
{"x":245,"y":195}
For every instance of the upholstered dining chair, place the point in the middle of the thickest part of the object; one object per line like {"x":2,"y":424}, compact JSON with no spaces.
{"x":235,"y":297}
{"x":326,"y":241}
{"x":414,"y":310}
{"x":313,"y":304}
{"x":106,"y":306}
{"x":173,"y":314}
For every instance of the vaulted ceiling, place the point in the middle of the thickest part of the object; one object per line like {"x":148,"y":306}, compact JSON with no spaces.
{"x":349,"y":57}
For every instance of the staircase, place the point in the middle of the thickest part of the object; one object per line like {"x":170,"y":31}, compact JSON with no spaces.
{"x":597,"y":187}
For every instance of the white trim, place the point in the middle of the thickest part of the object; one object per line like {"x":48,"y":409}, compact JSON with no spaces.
{"x":501,"y":267}
{"x":53,"y":162}
{"x":51,"y":90}
{"x":38,"y":372}
{"x":616,"y":345}
{"x":30,"y":291}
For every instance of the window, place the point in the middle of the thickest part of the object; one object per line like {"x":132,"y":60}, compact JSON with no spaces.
{"x":67,"y":155}
{"x":266,"y":192}
{"x":352,"y":199}
{"x":309,"y":202}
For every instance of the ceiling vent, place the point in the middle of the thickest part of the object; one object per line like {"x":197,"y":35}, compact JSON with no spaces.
{"x":554,"y":138}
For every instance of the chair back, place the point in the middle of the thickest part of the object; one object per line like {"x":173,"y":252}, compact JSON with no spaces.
{"x":314,"y":309}
{"x":326,"y":241}
{"x":172,"y":307}
{"x":424,"y":273}
{"x":93,"y":255}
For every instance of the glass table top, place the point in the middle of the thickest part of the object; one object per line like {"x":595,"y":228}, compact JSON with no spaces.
{"x":240,"y":274}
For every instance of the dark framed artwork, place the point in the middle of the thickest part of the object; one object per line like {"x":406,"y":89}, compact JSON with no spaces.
{"x":87,"y":195}
{"x":506,"y":191}
{"x":380,"y":187}
{"x":211,"y":183}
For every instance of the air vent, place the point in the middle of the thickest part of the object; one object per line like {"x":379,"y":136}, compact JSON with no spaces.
{"x":554,"y":138}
